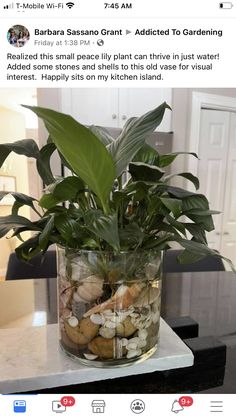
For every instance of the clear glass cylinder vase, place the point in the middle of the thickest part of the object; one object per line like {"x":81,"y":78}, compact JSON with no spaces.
{"x":109,"y":305}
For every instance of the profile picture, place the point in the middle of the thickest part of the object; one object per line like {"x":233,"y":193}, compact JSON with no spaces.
{"x":18,"y":36}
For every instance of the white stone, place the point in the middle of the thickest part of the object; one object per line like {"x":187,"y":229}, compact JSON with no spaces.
{"x":110,"y":325}
{"x":107,"y":333}
{"x":133,"y":353}
{"x":132,"y":345}
{"x":90,"y":357}
{"x":142,"y":343}
{"x":124,"y":341}
{"x":73,"y":321}
{"x":97,"y":319}
{"x":142,"y":334}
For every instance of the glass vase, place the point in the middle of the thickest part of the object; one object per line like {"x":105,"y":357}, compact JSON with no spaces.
{"x":109,"y":305}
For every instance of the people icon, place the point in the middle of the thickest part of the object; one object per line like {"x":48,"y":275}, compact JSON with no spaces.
{"x":18,"y":36}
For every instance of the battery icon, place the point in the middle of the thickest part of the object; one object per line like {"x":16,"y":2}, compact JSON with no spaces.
{"x":226,"y":5}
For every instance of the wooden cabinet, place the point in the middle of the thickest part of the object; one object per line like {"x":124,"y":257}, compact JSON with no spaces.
{"x":111,"y":107}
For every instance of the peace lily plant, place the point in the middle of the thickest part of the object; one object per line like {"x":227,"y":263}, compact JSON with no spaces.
{"x":93,"y":209}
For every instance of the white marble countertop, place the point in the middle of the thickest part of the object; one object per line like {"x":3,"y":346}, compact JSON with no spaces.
{"x":31,"y":359}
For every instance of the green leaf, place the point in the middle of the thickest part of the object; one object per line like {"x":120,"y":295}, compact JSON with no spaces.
{"x":132,"y":137}
{"x":102,"y":134}
{"x":206,"y":221}
{"x":68,"y":188}
{"x":185,"y":175}
{"x":167,"y":159}
{"x":28,"y":249}
{"x":201,"y":212}
{"x":10,"y":222}
{"x":27,"y":148}
{"x":85,"y":153}
{"x":68,"y":229}
{"x":130,"y":236}
{"x":145,"y":172}
{"x":106,"y":227}
{"x":196,"y":208}
{"x":174,"y":205}
{"x":64,"y":190}
{"x":198,"y":249}
{"x":148,"y":155}
{"x":43,"y":163}
{"x":20,"y":198}
{"x":49,"y":200}
{"x":176,"y":192}
{"x":44,"y":237}
{"x":186,"y":257}
{"x":177,"y":224}
{"x":195,"y":201}
{"x":197,"y":231}
{"x":156,"y":242}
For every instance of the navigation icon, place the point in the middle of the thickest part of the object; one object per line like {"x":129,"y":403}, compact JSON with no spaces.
{"x":19,"y":406}
{"x":58,"y":407}
{"x":216,"y":406}
{"x":127,"y":31}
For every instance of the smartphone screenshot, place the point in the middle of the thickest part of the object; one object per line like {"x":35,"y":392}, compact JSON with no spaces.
{"x":117,"y":208}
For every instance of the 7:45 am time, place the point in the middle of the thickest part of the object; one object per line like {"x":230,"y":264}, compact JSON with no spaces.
{"x":118,"y":5}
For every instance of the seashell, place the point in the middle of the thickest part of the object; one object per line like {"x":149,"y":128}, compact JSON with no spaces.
{"x":107,"y":333}
{"x":91,"y":288}
{"x":123,"y":298}
{"x":110,"y":317}
{"x":83,"y":333}
{"x":97,"y":319}
{"x":147,"y":296}
{"x":110,"y":325}
{"x":91,"y":357}
{"x":73,"y":321}
{"x":121,"y":317}
{"x":107,"y":312}
{"x":133,"y":352}
{"x":78,"y":299}
{"x":143,"y":334}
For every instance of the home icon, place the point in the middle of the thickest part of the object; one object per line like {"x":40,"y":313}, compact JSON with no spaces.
{"x":98,"y":406}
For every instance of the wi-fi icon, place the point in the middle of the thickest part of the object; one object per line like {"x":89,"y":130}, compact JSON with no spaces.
{"x":70,"y":4}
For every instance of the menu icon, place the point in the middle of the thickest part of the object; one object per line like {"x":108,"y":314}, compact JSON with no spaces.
{"x":216,"y":406}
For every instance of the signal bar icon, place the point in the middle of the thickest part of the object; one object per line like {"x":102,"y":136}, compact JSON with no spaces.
{"x":70,"y":4}
{"x":9,"y":6}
